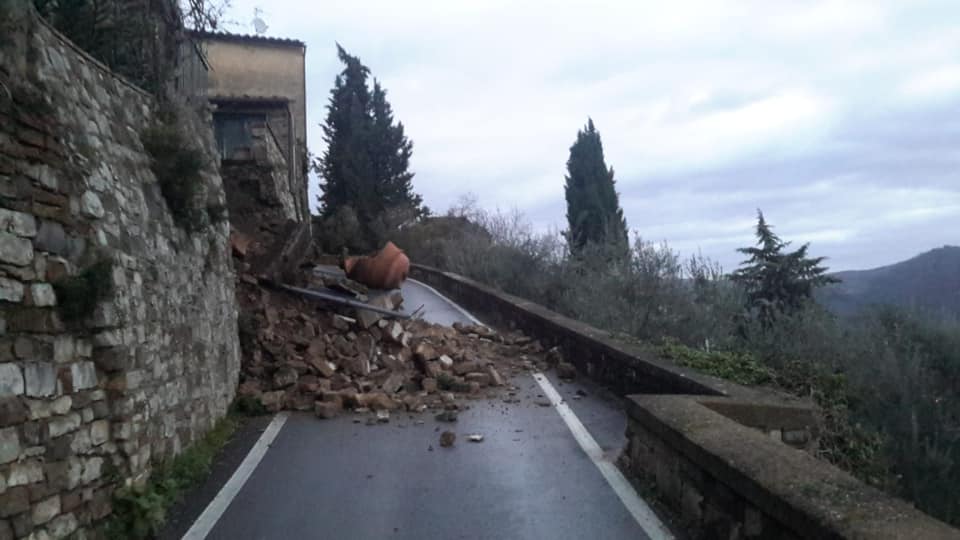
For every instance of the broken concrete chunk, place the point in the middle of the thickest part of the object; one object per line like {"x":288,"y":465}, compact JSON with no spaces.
{"x":446,"y":362}
{"x":447,"y":438}
{"x":284,"y":377}
{"x":482,"y":379}
{"x":466,"y":367}
{"x":432,"y":369}
{"x":383,"y":416}
{"x":475,"y":437}
{"x":377,"y":401}
{"x":495,"y":378}
{"x":393,"y":383}
{"x":323,"y":366}
{"x":327,"y":409}
{"x":390,"y":301}
{"x":342,"y":323}
{"x":273,"y":401}
{"x":392,"y":362}
{"x":357,"y":365}
{"x":424,"y":352}
{"x":394,"y":332}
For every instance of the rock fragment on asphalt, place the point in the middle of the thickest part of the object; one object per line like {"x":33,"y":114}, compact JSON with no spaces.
{"x":447,"y":438}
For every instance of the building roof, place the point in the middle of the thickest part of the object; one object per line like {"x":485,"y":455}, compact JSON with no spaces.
{"x":247,"y":38}
{"x":249,"y":100}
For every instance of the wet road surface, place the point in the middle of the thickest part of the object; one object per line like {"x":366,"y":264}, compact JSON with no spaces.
{"x":529,"y":478}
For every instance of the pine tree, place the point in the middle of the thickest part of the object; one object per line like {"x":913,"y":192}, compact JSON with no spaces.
{"x":777,"y":281}
{"x":366,"y":164}
{"x":593,"y":205}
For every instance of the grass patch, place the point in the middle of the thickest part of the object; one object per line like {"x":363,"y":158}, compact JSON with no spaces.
{"x":178,"y":164}
{"x":140,"y":512}
{"x":77,"y":296}
{"x":741,"y":368}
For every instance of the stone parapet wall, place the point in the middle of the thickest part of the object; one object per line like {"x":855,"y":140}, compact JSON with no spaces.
{"x":726,"y":460}
{"x":91,"y":403}
{"x":725,"y":480}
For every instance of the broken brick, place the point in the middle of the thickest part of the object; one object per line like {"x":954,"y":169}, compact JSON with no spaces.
{"x":327,"y":409}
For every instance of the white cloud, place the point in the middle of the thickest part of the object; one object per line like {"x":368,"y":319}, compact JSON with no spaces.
{"x":942,"y":82}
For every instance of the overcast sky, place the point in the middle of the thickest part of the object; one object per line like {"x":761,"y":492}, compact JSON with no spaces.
{"x":840,"y":120}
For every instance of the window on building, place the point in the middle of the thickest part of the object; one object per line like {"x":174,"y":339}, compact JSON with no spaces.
{"x":232,"y":130}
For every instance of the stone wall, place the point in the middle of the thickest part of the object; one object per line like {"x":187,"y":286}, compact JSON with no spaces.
{"x":727,"y":460}
{"x":87,"y":404}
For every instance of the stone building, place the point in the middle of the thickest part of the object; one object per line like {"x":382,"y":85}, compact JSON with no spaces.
{"x":258,"y":88}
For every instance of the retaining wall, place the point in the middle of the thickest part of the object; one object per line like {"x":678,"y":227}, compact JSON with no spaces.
{"x":90,"y":404}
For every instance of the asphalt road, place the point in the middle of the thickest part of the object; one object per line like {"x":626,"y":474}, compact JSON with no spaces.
{"x":529,"y":478}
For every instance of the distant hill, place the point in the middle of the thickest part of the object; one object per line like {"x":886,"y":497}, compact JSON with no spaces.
{"x":929,"y":282}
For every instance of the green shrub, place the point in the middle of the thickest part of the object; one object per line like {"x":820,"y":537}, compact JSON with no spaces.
{"x":139,"y":512}
{"x":77,"y":296}
{"x":740,"y":368}
{"x":178,"y":166}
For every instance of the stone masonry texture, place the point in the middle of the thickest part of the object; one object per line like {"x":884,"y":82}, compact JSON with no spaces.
{"x":88,"y":405}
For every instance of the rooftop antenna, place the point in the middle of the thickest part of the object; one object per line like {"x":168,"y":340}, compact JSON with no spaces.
{"x":259,"y":25}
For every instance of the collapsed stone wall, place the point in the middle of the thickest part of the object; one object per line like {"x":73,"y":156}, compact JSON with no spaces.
{"x":88,"y":404}
{"x":258,"y":188}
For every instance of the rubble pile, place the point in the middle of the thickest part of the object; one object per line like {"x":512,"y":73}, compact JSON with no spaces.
{"x":302,"y":355}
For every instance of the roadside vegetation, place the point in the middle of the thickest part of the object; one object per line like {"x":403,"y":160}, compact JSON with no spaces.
{"x":140,"y":510}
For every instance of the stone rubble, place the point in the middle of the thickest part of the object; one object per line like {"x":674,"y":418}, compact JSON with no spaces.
{"x":303,"y":355}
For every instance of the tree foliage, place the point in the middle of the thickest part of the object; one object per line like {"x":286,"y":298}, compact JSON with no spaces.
{"x":366,"y":163}
{"x":777,"y":281}
{"x":593,"y":206}
{"x":138,"y":39}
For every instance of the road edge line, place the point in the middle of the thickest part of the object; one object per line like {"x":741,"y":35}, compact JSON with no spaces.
{"x":638,"y":508}
{"x":214,"y":511}
{"x":455,"y":306}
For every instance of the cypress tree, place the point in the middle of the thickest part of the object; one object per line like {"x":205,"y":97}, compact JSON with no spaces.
{"x":777,"y":281}
{"x":366,"y":164}
{"x":594,"y":215}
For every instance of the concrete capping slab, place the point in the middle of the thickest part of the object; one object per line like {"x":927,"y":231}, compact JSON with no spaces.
{"x":806,"y":496}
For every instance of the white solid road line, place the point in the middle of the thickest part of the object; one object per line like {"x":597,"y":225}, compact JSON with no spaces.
{"x":205,"y":523}
{"x":639,"y":509}
{"x":453,"y":304}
